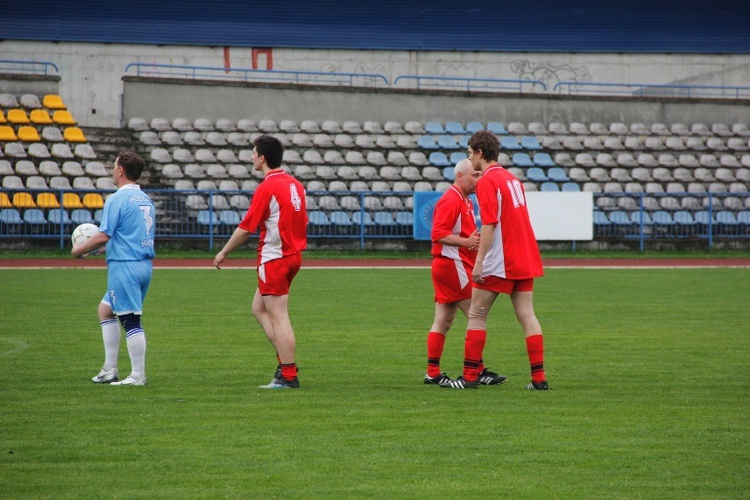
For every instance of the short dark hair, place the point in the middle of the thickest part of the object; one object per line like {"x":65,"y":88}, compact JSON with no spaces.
{"x":271,"y":148}
{"x":487,"y":142}
{"x":131,"y":163}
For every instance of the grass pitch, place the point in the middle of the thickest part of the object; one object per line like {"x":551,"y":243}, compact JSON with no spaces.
{"x":649,"y":368}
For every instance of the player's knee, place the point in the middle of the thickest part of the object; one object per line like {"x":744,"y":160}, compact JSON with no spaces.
{"x":479,"y":312}
{"x":130,"y":321}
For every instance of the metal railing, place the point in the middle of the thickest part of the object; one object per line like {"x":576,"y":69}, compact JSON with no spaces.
{"x":652,"y":90}
{"x":368,"y":216}
{"x":257,"y":75}
{"x":31,"y":67}
{"x":473,"y":84}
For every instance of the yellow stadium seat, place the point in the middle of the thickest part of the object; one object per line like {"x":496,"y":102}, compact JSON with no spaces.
{"x":2,"y":117}
{"x":5,"y":201}
{"x":40,"y":117}
{"x":28,"y":134}
{"x":23,"y":200}
{"x":7,"y":133}
{"x":63,"y":118}
{"x":47,"y":200}
{"x":71,"y":200}
{"x":18,"y":117}
{"x":93,"y":200}
{"x":74,"y":134}
{"x":53,"y":101}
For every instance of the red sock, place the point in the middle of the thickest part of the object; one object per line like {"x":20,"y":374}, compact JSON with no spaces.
{"x":289,"y":371}
{"x":473,"y":349}
{"x":435,"y":343}
{"x":535,"y":349}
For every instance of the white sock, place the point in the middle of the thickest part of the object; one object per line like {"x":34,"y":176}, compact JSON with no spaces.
{"x":136,"y":340}
{"x":111,"y":338}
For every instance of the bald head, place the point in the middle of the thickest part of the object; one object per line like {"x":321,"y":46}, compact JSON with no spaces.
{"x":466,"y":177}
{"x":462,"y":167}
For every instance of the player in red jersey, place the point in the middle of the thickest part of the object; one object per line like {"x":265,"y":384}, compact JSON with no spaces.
{"x":278,"y":209}
{"x":454,"y":249}
{"x":507,"y":262}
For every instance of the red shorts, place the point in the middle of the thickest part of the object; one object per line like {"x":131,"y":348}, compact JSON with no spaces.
{"x":502,"y":285}
{"x":451,"y":280}
{"x":275,"y":276}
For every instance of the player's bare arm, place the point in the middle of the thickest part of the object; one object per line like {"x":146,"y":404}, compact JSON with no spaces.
{"x":485,"y":242}
{"x":96,"y":242}
{"x":238,"y":238}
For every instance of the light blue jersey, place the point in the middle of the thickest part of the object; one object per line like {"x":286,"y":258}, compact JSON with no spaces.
{"x":128,"y":220}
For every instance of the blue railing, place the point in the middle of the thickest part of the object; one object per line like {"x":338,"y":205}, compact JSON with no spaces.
{"x":652,"y":90}
{"x":256,"y":75}
{"x":372,"y":216}
{"x":472,"y":84}
{"x":31,"y":67}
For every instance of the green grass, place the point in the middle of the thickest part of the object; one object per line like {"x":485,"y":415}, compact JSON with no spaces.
{"x":649,"y":368}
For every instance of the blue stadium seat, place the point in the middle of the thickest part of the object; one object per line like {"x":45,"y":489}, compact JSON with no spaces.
{"x":438,"y":159}
{"x":384,"y":222}
{"x":434,"y":128}
{"x":341,"y":221}
{"x":10,"y":220}
{"x":81,"y":216}
{"x":602,"y":225}
{"x":427,"y":142}
{"x":405,"y":222}
{"x":662,"y":218}
{"x":229,"y":218}
{"x":59,"y":217}
{"x":543,"y":160}
{"x":557,"y":174}
{"x":570,"y":187}
{"x":472,"y":127}
{"x":447,"y":142}
{"x":463,"y":142}
{"x":523,"y":160}
{"x":529,"y":142}
{"x":743,"y":218}
{"x":638,"y":216}
{"x":364,"y":220}
{"x":549,"y":187}
{"x":536,"y":174}
{"x":449,"y":173}
{"x":207,"y":220}
{"x":509,"y":142}
{"x":318,"y":222}
{"x":457,"y":156}
{"x":497,"y":128}
{"x":619,"y":218}
{"x":98,"y":215}
{"x":454,"y":128}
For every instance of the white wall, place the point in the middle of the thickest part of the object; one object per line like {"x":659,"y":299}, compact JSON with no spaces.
{"x":91,"y":74}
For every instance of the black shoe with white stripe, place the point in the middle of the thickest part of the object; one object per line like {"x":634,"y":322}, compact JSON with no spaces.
{"x":538,"y":386}
{"x":460,"y":383}
{"x":440,"y":380}
{"x":491,"y":378}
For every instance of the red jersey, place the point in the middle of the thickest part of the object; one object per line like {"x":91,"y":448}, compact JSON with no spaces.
{"x":502,"y":201}
{"x":279,"y":205}
{"x":454,"y":214}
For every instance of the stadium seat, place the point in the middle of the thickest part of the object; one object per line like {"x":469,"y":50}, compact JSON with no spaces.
{"x":53,"y":101}
{"x":509,"y":142}
{"x":8,"y":133}
{"x":74,"y":134}
{"x":63,"y":117}
{"x":225,"y":125}
{"x":8,"y":101}
{"x":549,"y":187}
{"x":438,"y":159}
{"x":557,"y":174}
{"x":522,"y":160}
{"x":531,"y":143}
{"x":434,"y":128}
{"x":71,"y":200}
{"x":92,"y":201}
{"x":427,"y":142}
{"x":5,"y":201}
{"x":40,"y":117}
{"x":447,"y":142}
{"x":81,"y":216}
{"x":536,"y":174}
{"x":17,"y":117}
{"x":52,"y":134}
{"x":34,"y":219}
{"x":318,"y":222}
{"x":570,"y":187}
{"x":351,"y":127}
{"x":10,"y":220}
{"x":497,"y":128}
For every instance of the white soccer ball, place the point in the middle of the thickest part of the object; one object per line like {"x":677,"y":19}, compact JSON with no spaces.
{"x":83,"y":232}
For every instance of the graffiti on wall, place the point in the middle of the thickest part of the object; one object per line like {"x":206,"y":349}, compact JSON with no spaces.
{"x":549,"y":74}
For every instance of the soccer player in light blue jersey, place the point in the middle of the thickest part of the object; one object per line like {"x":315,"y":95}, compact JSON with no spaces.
{"x":127,"y":230}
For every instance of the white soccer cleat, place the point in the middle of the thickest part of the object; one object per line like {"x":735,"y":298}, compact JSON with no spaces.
{"x":131,"y":380}
{"x":106,"y":376}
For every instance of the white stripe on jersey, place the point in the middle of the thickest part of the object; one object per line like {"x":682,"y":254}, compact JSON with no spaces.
{"x":272,"y":242}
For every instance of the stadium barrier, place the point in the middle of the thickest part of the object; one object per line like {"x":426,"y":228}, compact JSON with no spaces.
{"x":652,"y":90}
{"x":28,"y":67}
{"x":371,"y":216}
{"x":256,"y":75}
